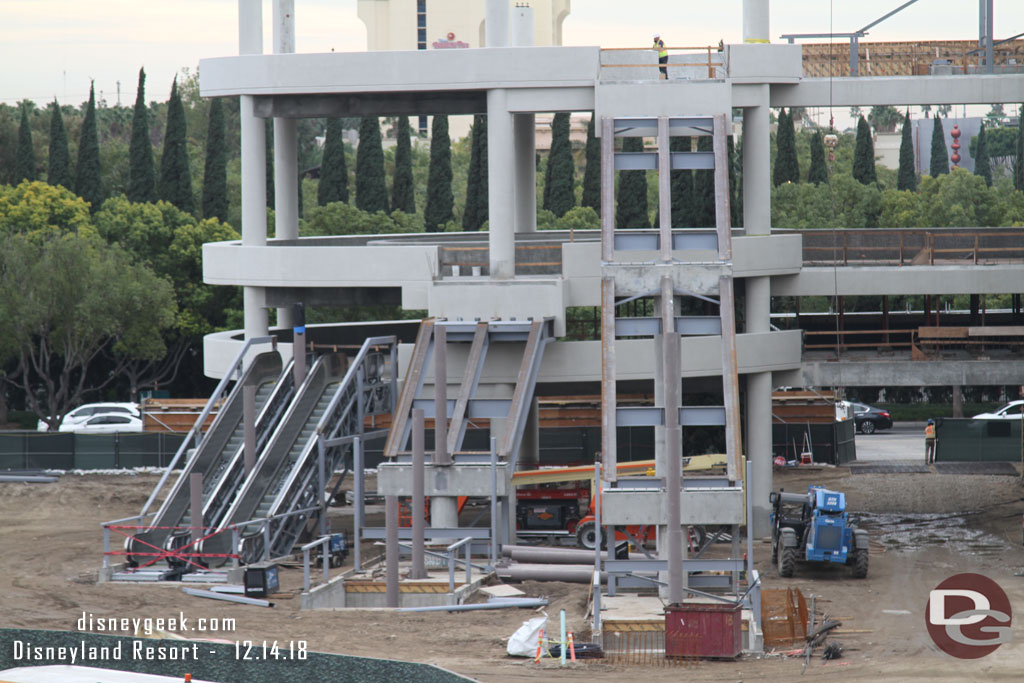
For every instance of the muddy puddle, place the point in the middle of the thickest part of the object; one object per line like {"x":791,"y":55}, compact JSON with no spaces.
{"x":912,"y":532}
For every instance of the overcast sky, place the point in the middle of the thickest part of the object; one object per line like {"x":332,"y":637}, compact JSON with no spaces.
{"x":52,"y":48}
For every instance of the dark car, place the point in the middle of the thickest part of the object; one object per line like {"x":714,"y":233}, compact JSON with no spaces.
{"x":868,"y":420}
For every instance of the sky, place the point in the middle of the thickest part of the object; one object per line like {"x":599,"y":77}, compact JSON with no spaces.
{"x":53,"y":48}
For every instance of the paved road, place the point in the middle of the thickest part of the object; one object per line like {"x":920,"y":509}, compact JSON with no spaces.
{"x":905,"y":441}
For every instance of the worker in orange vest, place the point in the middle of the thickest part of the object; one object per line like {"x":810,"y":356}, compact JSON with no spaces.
{"x":659,"y":45}
{"x":929,"y":442}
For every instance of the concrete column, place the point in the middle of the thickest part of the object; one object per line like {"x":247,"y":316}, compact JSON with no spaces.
{"x":496,"y":24}
{"x":286,"y":173}
{"x":525,"y":151}
{"x":757,"y":199}
{"x":521,"y":28}
{"x":756,"y":21}
{"x":254,"y":177}
{"x":500,"y":187}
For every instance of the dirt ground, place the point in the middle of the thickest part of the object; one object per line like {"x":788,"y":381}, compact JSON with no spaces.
{"x":929,"y":526}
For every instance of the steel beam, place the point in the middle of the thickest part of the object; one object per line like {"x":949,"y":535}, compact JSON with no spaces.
{"x":470,"y":381}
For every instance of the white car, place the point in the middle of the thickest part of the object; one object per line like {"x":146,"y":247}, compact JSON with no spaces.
{"x":84,"y":412}
{"x":1011,"y":411}
{"x":105,"y":423}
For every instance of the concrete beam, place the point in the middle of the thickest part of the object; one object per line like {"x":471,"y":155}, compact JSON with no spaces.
{"x":656,"y":98}
{"x":701,"y":506}
{"x":395,"y":479}
{"x":944,"y":372}
{"x":899,"y":91}
{"x":878,"y":280}
{"x":644,"y":278}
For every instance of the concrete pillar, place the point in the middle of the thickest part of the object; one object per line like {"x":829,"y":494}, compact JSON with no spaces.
{"x":496,"y":24}
{"x":500,"y":188}
{"x":254,"y":176}
{"x":757,"y":200}
{"x":756,"y":21}
{"x":525,"y":151}
{"x":286,"y":173}
{"x":521,"y":29}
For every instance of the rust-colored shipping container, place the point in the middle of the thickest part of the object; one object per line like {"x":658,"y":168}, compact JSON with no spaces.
{"x":709,"y":630}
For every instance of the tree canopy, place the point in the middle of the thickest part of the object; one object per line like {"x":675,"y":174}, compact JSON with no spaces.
{"x":371,"y":186}
{"x":440,"y":202}
{"x":88,"y":181}
{"x":864,"y":155}
{"x":175,"y":171}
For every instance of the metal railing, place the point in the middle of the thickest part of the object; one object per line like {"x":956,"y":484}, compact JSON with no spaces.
{"x":452,"y":549}
{"x":324,"y":542}
{"x":712,"y":65}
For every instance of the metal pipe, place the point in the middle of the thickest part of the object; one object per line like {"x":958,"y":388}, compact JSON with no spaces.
{"x":533,"y":602}
{"x":391,"y":550}
{"x":227,"y":597}
{"x":419,"y":570}
{"x":572,"y":573}
{"x":494,"y":501}
{"x":542,"y":555}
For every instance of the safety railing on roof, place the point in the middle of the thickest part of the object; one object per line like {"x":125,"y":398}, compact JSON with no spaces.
{"x":686,"y":62}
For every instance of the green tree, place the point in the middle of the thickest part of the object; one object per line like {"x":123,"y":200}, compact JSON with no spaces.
{"x":403,"y":193}
{"x":215,"y":172}
{"x":704,"y":190}
{"x":59,"y":170}
{"x":682,"y":187}
{"x":940,"y":155}
{"x":477,"y":204}
{"x":864,"y":155}
{"x":142,"y":173}
{"x":631,"y":208}
{"x":907,"y":175}
{"x":175,"y":172}
{"x":333,"y":185}
{"x":25,"y":159}
{"x":592,"y":172}
{"x":982,"y":167}
{"x":787,"y":167}
{"x":884,"y":118}
{"x":818,"y":171}
{"x":371,"y":186}
{"x":440,"y":201}
{"x":559,"y":194}
{"x":88,"y":183}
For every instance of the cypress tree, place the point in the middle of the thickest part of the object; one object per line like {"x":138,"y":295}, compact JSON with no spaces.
{"x":631,"y":209}
{"x":864,"y":154}
{"x":403,"y":197}
{"x":558,"y":184}
{"x":333,"y":186}
{"x":475,"y":214}
{"x":682,"y":187}
{"x":787,"y":167}
{"x":704,"y":189}
{"x":438,"y":210}
{"x":88,"y":184}
{"x":982,"y":167}
{"x":175,"y":174}
{"x":818,"y":172}
{"x":141,"y":172}
{"x":907,"y":179}
{"x":268,"y":135}
{"x":1018,"y":165}
{"x":592,"y":173}
{"x":25,"y":156}
{"x":371,"y":186}
{"x":215,"y":173}
{"x":59,"y":172}
{"x":940,"y":156}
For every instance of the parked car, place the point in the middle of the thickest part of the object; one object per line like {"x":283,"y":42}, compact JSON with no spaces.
{"x":868,"y":420}
{"x":84,"y":412}
{"x":1011,"y":411}
{"x":105,"y":423}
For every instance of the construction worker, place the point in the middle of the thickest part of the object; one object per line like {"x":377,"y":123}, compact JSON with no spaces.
{"x":929,"y":442}
{"x":659,"y":45}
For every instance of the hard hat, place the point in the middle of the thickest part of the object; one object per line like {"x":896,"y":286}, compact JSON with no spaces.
{"x":657,"y":35}
{"x":931,"y":422}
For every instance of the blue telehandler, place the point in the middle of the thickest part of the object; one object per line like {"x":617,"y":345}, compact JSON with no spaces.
{"x":814,"y":527}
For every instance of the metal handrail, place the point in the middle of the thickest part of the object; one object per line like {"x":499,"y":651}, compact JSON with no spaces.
{"x":467,"y":542}
{"x":194,"y":433}
{"x":322,"y":541}
{"x":350,"y":374}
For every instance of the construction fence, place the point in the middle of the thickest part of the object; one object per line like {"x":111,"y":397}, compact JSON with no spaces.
{"x":964,"y":439}
{"x":26,"y":450}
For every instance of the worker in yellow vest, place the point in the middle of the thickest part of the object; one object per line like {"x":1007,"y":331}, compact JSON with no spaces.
{"x":929,"y":442}
{"x":659,"y":45}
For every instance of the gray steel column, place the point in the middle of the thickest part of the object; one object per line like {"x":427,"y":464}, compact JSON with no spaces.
{"x":524,"y":132}
{"x":985,"y":38}
{"x":496,"y":24}
{"x":444,"y":512}
{"x":195,"y":482}
{"x":529,"y":446}
{"x":673,"y":443}
{"x":500,"y":186}
{"x":419,"y":570}
{"x":254,"y":180}
{"x":854,"y":56}
{"x":249,"y":426}
{"x":759,"y":452}
{"x":391,"y":550}
{"x":756,"y":21}
{"x":609,"y":443}
{"x":358,"y":508}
